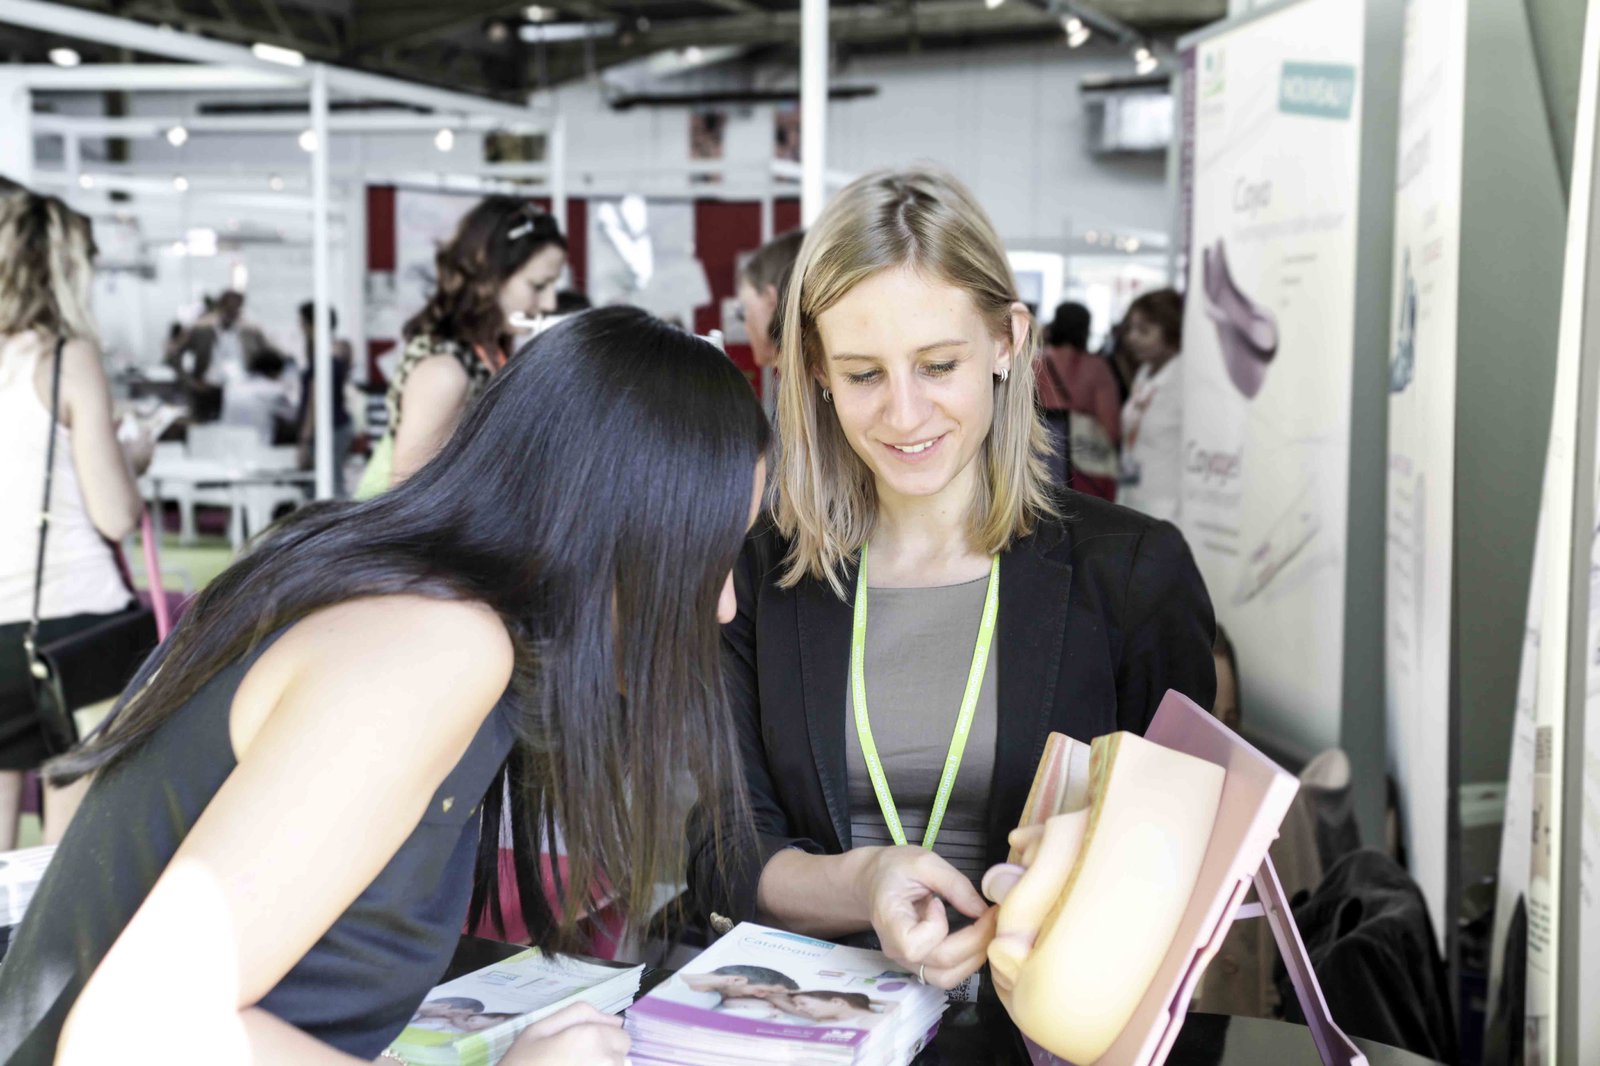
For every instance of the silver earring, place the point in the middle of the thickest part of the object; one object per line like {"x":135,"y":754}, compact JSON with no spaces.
{"x":827,"y":397}
{"x":1005,"y":372}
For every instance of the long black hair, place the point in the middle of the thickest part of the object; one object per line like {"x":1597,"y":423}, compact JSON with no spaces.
{"x":595,"y":497}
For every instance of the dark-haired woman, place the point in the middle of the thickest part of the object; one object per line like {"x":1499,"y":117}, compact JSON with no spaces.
{"x":288,"y":800}
{"x":505,"y":259}
{"x":1152,"y":419}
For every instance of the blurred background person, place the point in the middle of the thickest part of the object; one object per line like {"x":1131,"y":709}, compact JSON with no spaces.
{"x":343,"y":426}
{"x":1083,"y":412}
{"x":762,"y":281}
{"x":216,"y":352}
{"x":46,"y":266}
{"x":262,"y":398}
{"x":505,"y":259}
{"x":1152,"y":419}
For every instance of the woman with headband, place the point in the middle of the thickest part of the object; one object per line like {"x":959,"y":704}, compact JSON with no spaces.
{"x":921,"y":611}
{"x":506,"y":258}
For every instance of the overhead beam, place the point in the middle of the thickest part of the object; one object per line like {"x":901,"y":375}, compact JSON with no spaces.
{"x":156,"y":125}
{"x":149,"y":77}
{"x":846,"y":25}
{"x":431,"y":23}
{"x":126,"y":33}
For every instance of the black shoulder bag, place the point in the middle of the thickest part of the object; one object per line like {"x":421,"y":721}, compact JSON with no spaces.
{"x":91,"y":665}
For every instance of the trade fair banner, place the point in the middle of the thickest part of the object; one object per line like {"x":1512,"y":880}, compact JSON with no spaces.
{"x":1422,"y":404}
{"x":1563,"y":912}
{"x":1272,"y":162}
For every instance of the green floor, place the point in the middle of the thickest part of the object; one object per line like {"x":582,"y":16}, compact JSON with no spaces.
{"x":184,"y":569}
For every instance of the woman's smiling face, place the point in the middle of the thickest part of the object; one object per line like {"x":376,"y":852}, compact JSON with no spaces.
{"x":911,"y":364}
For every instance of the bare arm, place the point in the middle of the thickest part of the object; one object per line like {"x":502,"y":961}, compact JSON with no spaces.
{"x":430,"y":406}
{"x":343,"y":731}
{"x":817,"y":895}
{"x":109,"y":491}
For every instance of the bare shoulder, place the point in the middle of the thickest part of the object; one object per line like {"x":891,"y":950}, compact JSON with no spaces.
{"x":403,"y":654}
{"x":83,"y":376}
{"x":441,"y":373}
{"x":394,"y":632}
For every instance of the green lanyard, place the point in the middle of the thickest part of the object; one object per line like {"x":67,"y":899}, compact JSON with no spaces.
{"x":969,"y":705}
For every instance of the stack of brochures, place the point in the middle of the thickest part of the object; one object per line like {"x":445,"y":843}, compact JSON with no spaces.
{"x":20,"y":874}
{"x":761,"y":995}
{"x":473,"y":1020}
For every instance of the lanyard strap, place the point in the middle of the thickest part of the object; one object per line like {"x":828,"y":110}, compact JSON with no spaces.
{"x":969,"y":706}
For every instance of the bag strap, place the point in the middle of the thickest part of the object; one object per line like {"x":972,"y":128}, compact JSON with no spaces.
{"x":30,"y":640}
{"x":152,"y":570}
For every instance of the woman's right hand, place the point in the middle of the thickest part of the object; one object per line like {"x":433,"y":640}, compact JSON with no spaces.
{"x":578,"y":1035}
{"x":906,"y":889}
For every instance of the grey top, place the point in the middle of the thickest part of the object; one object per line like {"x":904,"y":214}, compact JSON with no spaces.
{"x":919,"y":650}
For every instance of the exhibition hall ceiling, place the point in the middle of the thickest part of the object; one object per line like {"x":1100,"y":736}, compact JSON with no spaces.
{"x":507,"y":49}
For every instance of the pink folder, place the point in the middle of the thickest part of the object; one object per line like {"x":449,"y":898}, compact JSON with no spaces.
{"x":1255,"y":797}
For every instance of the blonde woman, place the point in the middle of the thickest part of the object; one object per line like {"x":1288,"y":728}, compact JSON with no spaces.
{"x":917,"y":559}
{"x":46,"y":264}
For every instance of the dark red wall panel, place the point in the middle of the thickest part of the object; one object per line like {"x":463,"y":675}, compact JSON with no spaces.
{"x":722,"y":232}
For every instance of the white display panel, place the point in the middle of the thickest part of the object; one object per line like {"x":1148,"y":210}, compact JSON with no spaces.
{"x":1274,"y":125}
{"x":1422,"y":404}
{"x":1580,"y":918}
{"x":1555,"y":919}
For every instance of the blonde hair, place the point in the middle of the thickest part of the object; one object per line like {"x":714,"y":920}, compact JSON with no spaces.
{"x":46,"y":266}
{"x":827,"y":501}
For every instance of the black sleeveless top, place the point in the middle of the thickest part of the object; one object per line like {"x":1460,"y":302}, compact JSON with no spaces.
{"x":358,"y":985}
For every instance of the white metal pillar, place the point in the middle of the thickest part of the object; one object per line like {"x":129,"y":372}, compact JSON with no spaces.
{"x":72,"y":157}
{"x":322,"y":336}
{"x":768,"y":195}
{"x":558,"y":180}
{"x":16,"y":117}
{"x":813,"y":107}
{"x":354,"y":302}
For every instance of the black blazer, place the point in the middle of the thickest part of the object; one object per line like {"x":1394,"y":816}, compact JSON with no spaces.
{"x":1101,"y":613}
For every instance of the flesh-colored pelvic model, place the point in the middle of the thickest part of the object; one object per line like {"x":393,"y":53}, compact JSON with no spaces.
{"x":1102,"y":868}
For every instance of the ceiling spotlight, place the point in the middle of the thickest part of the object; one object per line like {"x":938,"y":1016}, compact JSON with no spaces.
{"x":693,"y":55}
{"x":445,"y":139}
{"x":1141,"y":53}
{"x":177,"y":136}
{"x":65,"y":57}
{"x":275,"y":54}
{"x":1076,"y":38}
{"x":180,"y":183}
{"x":308,"y":140}
{"x":1133,"y":244}
{"x":497,"y":31}
{"x":276,"y":183}
{"x":85,"y":181}
{"x":992,"y":4}
{"x":1146,"y":65}
{"x":535,"y":13}
{"x":1072,"y":24}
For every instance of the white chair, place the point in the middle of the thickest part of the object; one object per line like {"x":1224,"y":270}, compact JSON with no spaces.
{"x":237,"y":451}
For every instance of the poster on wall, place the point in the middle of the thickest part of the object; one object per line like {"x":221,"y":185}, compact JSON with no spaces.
{"x":1421,"y":465}
{"x":1267,"y":348}
{"x":641,"y":252}
{"x":707,"y":136}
